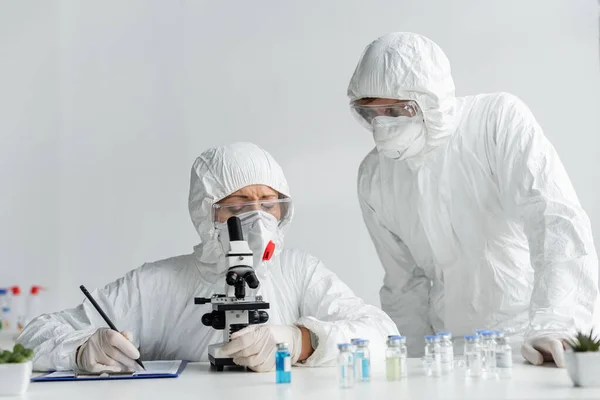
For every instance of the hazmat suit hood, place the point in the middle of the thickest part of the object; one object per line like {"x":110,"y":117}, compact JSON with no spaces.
{"x":221,"y":171}
{"x":408,"y":66}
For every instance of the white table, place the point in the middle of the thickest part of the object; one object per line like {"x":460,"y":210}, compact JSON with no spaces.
{"x":199,"y":382}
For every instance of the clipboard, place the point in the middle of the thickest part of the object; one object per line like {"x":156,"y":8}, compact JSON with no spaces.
{"x":154,"y":370}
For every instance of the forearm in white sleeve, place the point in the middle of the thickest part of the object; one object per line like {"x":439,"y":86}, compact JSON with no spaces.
{"x":332,"y":312}
{"x":537,"y":190}
{"x":55,"y":337}
{"x":405,"y":292}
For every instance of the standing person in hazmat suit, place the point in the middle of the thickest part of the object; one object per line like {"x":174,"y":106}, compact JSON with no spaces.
{"x":470,"y":209}
{"x":311,"y":308}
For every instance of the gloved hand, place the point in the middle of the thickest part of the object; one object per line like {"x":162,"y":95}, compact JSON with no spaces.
{"x":107,"y":350}
{"x":544,"y":348}
{"x":255,"y":346}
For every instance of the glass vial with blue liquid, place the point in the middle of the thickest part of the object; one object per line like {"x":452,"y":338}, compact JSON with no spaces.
{"x":346,"y":365}
{"x":283,"y":364}
{"x":362,"y":361}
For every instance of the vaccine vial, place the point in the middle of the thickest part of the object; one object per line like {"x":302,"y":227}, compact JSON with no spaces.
{"x":362,"y":361}
{"x":346,"y":365}
{"x":353,"y":347}
{"x":354,"y":344}
{"x":392,"y":359}
{"x":479,"y":333}
{"x":432,"y":361}
{"x":396,"y":356}
{"x":503,"y":356}
{"x":447,"y":352}
{"x":489,"y":355}
{"x":472,"y":356}
{"x":283,"y":364}
{"x":403,"y":357}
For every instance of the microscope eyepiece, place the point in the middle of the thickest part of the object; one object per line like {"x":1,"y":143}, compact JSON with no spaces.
{"x":234,"y":227}
{"x":251,"y":280}
{"x":231,"y":278}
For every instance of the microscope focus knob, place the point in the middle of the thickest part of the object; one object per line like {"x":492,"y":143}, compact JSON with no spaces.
{"x":207,"y":319}
{"x":263,"y":317}
{"x":257,"y":317}
{"x":216,"y":319}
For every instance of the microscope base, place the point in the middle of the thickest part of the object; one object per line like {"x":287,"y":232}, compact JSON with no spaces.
{"x":215,"y":358}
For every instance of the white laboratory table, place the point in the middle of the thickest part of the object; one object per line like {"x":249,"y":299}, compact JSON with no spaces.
{"x":198,"y":381}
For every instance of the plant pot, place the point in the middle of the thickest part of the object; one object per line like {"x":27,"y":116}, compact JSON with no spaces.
{"x":583,"y":367}
{"x":14,"y":378}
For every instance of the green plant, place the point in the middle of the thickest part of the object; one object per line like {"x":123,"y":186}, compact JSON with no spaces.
{"x":19,"y":355}
{"x":584,"y":342}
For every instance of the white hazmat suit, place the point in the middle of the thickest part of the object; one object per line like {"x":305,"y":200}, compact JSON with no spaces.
{"x":480,"y":227}
{"x":156,"y":301}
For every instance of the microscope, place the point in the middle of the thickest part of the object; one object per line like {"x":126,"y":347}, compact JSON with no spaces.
{"x":232,"y":312}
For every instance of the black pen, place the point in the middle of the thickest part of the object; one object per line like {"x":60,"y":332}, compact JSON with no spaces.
{"x":108,"y":321}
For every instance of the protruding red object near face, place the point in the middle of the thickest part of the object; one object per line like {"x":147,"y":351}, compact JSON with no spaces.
{"x":269,"y":250}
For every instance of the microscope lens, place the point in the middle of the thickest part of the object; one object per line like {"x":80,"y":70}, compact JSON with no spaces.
{"x":251,"y":280}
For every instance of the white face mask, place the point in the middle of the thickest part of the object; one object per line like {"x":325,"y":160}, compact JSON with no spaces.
{"x":399,"y":137}
{"x":260,"y":230}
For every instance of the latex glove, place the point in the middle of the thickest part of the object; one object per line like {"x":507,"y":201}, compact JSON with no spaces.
{"x":255,"y":346}
{"x":545,"y":348}
{"x":107,"y":350}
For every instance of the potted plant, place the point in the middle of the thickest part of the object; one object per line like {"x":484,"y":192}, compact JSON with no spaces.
{"x":583,"y":359}
{"x":15,"y":371}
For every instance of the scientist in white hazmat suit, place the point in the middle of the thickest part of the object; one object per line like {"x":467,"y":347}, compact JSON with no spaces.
{"x":470,"y":209}
{"x":311,"y":308}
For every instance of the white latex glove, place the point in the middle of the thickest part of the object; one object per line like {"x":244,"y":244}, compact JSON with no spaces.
{"x":545,"y":348}
{"x":255,"y":346}
{"x":107,"y":350}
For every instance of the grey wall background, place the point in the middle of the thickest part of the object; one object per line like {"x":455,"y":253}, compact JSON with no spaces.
{"x":105,"y":105}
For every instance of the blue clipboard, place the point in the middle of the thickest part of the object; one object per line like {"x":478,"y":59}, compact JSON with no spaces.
{"x":73,"y":376}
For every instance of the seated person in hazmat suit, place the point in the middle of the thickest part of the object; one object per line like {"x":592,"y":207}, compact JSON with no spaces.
{"x":311,"y":308}
{"x":470,"y":209}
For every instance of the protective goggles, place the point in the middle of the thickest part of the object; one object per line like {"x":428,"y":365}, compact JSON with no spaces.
{"x":279,"y":208}
{"x":366,"y":112}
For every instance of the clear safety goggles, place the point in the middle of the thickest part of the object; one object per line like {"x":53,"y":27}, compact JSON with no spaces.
{"x":365,"y":113}
{"x":279,"y":208}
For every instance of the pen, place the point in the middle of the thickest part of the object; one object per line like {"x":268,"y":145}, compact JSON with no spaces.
{"x":108,"y":321}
